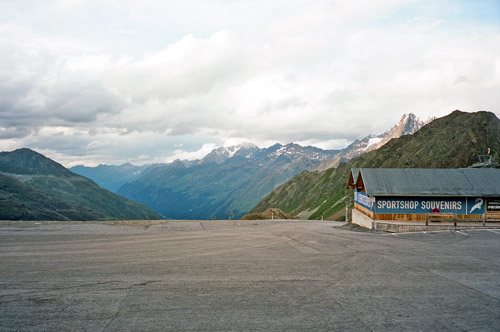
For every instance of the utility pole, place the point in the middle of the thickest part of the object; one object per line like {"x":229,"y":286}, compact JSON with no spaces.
{"x":347,"y":210}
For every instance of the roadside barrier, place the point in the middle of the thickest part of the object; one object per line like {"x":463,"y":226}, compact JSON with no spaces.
{"x":449,"y":217}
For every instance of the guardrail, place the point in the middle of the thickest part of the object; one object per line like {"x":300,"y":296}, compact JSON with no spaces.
{"x":450,"y":217}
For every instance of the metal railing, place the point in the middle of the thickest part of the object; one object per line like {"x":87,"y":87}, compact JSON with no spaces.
{"x":449,"y":217}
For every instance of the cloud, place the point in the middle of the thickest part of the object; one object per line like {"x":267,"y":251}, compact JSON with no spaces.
{"x":43,"y":82}
{"x":201,"y":73}
{"x":192,"y":155}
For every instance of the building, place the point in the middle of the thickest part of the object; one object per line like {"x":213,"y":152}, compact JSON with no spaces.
{"x":408,"y":194}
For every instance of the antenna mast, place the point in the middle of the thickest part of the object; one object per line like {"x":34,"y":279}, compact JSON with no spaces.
{"x":485,"y":161}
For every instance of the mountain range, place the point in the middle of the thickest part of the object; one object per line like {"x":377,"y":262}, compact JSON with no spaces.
{"x":452,"y":141}
{"x":33,"y":187}
{"x":111,"y":177}
{"x":229,"y":180}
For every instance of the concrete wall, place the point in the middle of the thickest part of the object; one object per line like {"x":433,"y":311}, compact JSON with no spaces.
{"x":361,"y":219}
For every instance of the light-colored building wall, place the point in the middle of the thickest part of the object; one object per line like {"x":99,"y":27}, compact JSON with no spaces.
{"x":361,"y":219}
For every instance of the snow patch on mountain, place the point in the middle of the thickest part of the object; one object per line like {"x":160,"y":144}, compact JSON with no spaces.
{"x":295,"y":151}
{"x":374,"y":140}
{"x":221,"y":154}
{"x":409,"y":124}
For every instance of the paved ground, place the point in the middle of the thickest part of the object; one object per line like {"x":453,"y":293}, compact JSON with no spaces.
{"x":281,"y":275}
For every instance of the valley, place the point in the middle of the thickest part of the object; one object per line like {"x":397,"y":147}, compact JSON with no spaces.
{"x":229,"y":180}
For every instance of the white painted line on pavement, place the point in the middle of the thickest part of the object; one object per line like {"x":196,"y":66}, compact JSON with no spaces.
{"x":494,"y":231}
{"x":462,"y":233}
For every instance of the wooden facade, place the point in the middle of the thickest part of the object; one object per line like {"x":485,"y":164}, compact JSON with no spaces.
{"x":364,"y":210}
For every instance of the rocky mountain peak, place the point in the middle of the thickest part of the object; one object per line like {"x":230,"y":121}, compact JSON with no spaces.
{"x":409,"y":124}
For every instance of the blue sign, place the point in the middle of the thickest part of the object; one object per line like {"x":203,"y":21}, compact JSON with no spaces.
{"x":362,"y":199}
{"x":421,"y":205}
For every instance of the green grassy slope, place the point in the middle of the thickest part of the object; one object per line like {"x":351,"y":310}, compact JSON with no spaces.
{"x":34,"y":187}
{"x":449,"y":142}
{"x":22,"y":202}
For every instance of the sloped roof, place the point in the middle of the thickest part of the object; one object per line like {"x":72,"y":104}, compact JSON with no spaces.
{"x":470,"y":182}
{"x":353,"y":176}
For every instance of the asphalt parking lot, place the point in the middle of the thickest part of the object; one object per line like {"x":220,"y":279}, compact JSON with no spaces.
{"x":266,"y":275}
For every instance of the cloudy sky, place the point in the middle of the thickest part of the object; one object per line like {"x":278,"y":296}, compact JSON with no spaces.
{"x":114,"y":81}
